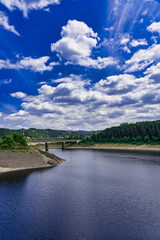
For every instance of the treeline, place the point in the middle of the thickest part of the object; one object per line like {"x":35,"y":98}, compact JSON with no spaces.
{"x":43,"y":134}
{"x":15,"y":141}
{"x":135,"y":133}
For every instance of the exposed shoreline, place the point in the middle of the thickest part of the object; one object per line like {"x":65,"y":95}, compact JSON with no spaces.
{"x":121,"y":147}
{"x":19,"y":163}
{"x":110,"y":147}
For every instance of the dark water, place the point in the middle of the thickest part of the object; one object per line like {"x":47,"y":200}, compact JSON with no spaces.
{"x":95,"y":195}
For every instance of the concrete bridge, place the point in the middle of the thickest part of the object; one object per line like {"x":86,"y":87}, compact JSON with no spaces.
{"x":63,"y":141}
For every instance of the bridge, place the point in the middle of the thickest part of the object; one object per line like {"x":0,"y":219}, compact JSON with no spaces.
{"x":63,"y":141}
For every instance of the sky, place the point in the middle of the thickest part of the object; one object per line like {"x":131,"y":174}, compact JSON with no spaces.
{"x":79,"y":64}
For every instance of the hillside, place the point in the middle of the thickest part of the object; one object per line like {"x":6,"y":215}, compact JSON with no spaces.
{"x":135,"y":133}
{"x":42,"y":134}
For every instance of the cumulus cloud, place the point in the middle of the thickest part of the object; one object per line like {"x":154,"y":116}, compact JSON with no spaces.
{"x":4,"y":22}
{"x":139,"y":42}
{"x":154,"y":27}
{"x":18,"y":95}
{"x":76,"y":45}
{"x":77,"y":40}
{"x":46,"y":90}
{"x":74,"y":101}
{"x":33,"y":64}
{"x":36,"y":65}
{"x":153,"y":72}
{"x":118,"y":84}
{"x":143,"y":58}
{"x":25,"y":5}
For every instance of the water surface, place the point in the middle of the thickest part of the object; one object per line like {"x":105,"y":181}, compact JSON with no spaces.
{"x":94,"y":195}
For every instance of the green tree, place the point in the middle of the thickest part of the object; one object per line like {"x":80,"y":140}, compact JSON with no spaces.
{"x":14,"y":141}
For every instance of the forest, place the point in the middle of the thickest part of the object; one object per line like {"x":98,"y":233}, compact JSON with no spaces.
{"x":43,"y":134}
{"x":147,"y":132}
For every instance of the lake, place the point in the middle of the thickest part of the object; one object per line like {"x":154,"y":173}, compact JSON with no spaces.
{"x":94,"y":195}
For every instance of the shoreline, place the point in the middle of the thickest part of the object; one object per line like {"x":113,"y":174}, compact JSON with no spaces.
{"x":121,"y":147}
{"x":15,"y":164}
{"x":113,"y":147}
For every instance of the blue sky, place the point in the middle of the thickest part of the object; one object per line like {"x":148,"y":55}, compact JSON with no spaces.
{"x":79,"y":64}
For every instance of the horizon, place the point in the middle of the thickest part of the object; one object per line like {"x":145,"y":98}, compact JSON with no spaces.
{"x":78,"y":64}
{"x":79,"y":130}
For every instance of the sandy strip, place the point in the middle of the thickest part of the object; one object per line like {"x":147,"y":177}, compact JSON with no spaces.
{"x":123,"y":147}
{"x":3,"y":170}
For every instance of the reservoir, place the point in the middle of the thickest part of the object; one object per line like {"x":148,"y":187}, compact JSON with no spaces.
{"x":94,"y":195}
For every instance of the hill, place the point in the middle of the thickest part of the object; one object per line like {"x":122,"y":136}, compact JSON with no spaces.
{"x":147,"y":132}
{"x":42,"y":134}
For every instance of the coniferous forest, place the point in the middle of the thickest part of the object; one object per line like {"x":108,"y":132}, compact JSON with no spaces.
{"x":135,"y":133}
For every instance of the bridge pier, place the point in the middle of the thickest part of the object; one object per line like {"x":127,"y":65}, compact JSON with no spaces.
{"x":46,"y":146}
{"x":63,"y":143}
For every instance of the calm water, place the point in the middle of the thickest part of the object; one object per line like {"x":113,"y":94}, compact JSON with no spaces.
{"x":94,"y":195}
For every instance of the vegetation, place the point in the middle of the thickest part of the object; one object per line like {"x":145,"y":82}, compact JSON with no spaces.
{"x":14,"y":142}
{"x":137,"y":133}
{"x":71,"y":136}
{"x":43,"y":134}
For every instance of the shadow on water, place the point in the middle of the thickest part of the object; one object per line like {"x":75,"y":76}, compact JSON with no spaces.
{"x":18,"y":176}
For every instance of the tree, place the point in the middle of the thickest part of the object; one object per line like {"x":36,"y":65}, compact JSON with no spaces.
{"x":14,"y":141}
{"x":140,"y":132}
{"x":7,"y":142}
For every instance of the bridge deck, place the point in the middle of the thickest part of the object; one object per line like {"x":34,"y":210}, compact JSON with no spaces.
{"x":55,"y":141}
{"x":62,"y":141}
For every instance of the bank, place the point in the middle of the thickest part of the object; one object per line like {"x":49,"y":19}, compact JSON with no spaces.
{"x":21,"y":162}
{"x":107,"y":146}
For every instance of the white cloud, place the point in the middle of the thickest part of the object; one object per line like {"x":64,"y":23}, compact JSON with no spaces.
{"x":139,"y":42}
{"x":54,"y":64}
{"x":33,"y":64}
{"x":154,"y":27}
{"x":25,"y":6}
{"x":125,"y":39}
{"x":76,"y":45}
{"x":153,"y":73}
{"x":72,"y":101}
{"x":126,"y":42}
{"x":18,"y":95}
{"x":4,"y":22}
{"x":117,"y":82}
{"x":36,"y":65}
{"x":126,"y":49}
{"x":77,"y":41}
{"x":98,"y":63}
{"x":143,"y":58}
{"x":46,"y":90}
{"x":6,"y":81}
